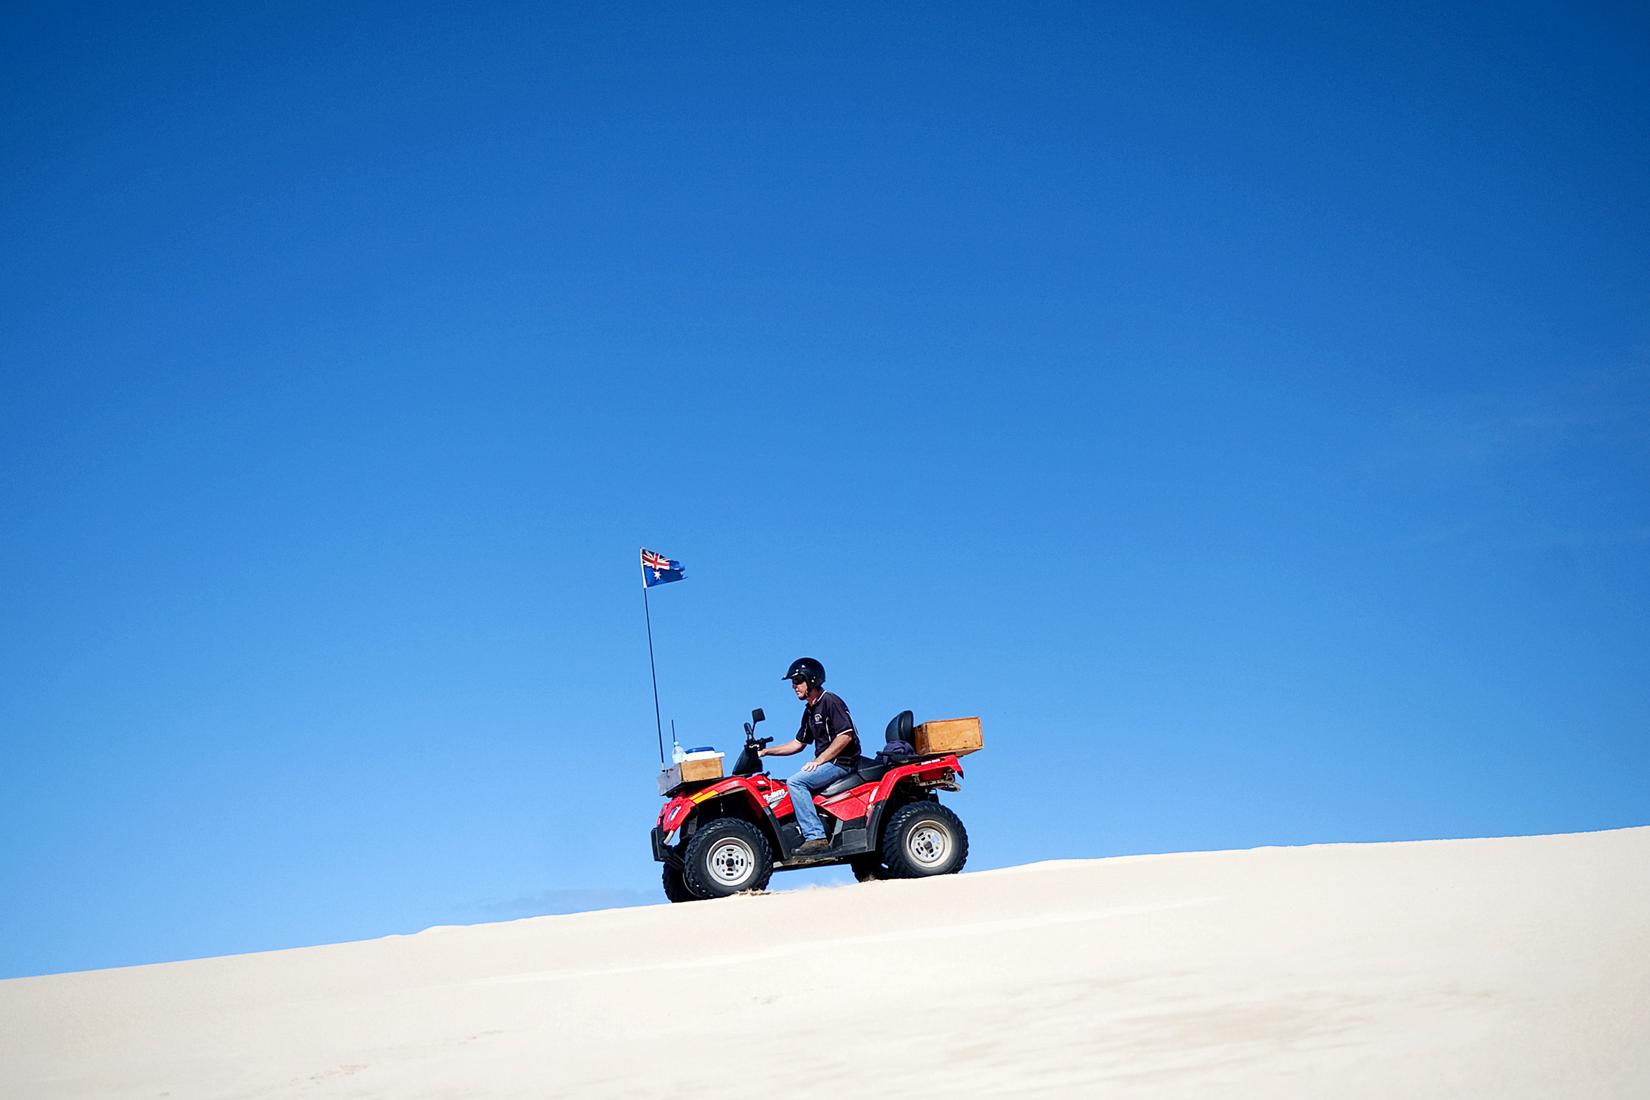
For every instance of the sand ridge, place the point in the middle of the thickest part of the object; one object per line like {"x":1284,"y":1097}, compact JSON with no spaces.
{"x":1507,"y":967}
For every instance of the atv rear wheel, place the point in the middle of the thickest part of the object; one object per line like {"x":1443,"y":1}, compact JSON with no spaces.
{"x":675,"y":888}
{"x":924,"y":839}
{"x":725,"y":857}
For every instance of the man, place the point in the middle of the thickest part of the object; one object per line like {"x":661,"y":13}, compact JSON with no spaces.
{"x":828,"y":728}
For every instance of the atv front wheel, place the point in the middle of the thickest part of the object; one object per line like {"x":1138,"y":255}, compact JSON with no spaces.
{"x":675,"y":888}
{"x":924,"y":839}
{"x":726,"y":856}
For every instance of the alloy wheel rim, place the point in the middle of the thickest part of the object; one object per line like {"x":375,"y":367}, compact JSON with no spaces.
{"x":928,"y":844}
{"x":731,"y":862}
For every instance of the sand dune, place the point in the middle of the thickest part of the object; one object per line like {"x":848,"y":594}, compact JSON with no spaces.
{"x":1508,"y":968}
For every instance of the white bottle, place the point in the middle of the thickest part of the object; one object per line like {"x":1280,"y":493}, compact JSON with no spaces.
{"x":676,"y":753}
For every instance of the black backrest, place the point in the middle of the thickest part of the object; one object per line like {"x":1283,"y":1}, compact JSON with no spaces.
{"x":900,"y":728}
{"x":899,"y":749}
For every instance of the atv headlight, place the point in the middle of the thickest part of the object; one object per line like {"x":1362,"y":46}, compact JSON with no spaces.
{"x":674,"y":814}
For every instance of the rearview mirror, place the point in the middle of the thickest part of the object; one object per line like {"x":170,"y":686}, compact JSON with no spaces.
{"x":757,"y":716}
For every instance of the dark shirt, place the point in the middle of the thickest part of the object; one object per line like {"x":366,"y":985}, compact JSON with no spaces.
{"x":822,"y":720}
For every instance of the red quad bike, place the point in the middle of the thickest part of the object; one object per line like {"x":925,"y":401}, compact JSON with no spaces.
{"x":719,"y":837}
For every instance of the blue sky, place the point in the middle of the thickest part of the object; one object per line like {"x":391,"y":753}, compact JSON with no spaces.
{"x":1246,"y":410}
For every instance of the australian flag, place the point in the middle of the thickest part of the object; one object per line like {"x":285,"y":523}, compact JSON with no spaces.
{"x":658,"y":569}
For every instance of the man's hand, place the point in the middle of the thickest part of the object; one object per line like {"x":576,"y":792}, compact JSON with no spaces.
{"x":811,"y":765}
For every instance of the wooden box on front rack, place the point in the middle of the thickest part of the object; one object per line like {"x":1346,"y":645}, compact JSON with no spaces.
{"x":696,"y":769}
{"x":958,"y":735}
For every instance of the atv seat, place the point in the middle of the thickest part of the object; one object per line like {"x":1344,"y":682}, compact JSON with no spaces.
{"x":865,"y":771}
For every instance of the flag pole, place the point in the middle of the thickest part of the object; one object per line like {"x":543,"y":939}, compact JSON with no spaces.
{"x":657,"y":725}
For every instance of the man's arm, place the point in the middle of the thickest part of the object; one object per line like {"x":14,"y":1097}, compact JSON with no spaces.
{"x":789,"y":748}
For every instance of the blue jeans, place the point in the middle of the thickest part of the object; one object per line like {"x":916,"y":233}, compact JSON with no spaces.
{"x":802,"y":786}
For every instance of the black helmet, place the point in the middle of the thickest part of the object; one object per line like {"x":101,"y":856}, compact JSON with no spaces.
{"x":807,"y":669}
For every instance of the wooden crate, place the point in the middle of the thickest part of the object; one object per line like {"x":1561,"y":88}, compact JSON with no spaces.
{"x":690,"y":771}
{"x":958,"y":735}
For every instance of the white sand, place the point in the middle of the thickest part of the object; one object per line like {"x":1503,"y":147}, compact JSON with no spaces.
{"x":1498,"y":968}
